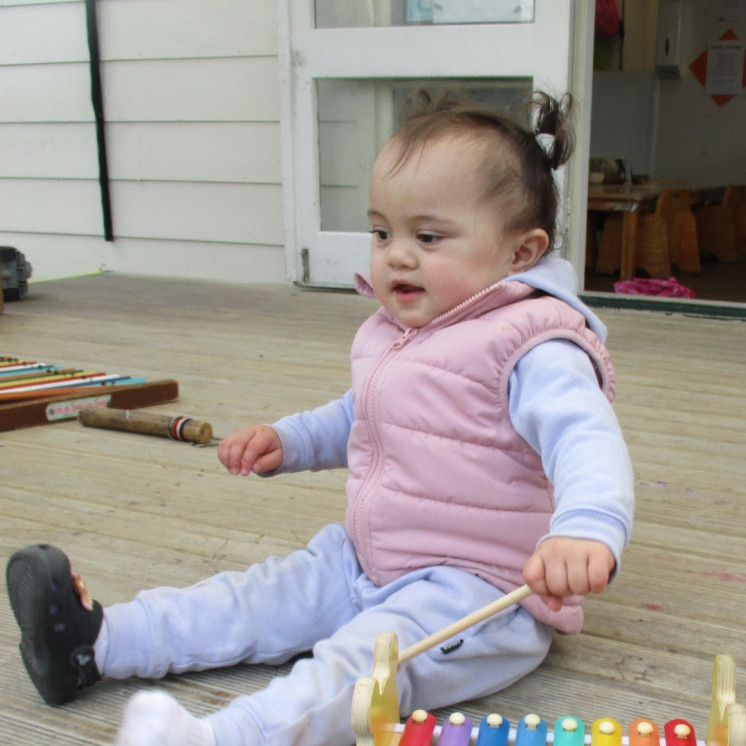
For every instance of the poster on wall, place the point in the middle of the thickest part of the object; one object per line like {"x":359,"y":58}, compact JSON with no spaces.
{"x":701,"y":69}
{"x":724,"y":75}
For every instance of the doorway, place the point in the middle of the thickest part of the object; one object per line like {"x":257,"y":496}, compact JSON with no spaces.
{"x":347,"y":65}
{"x":653,"y":112}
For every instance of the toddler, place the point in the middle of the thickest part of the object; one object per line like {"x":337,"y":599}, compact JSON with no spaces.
{"x":482,"y":451}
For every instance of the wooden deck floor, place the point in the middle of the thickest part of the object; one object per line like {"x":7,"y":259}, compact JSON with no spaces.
{"x":136,"y":511}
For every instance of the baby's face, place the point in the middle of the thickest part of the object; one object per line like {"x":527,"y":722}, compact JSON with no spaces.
{"x":435,"y":240}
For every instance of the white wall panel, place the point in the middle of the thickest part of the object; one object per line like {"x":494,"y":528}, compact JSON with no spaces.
{"x":45,"y":93}
{"x":10,"y":3}
{"x":48,"y":151}
{"x":231,"y":213}
{"x":216,"y":152}
{"x":235,"y":263}
{"x":191,"y":102}
{"x":54,"y":256}
{"x":143,"y":29}
{"x":195,"y":151}
{"x":45,"y":206}
{"x":227,"y":213}
{"x":242,"y":89}
{"x":138,"y":29}
{"x":43,"y":33}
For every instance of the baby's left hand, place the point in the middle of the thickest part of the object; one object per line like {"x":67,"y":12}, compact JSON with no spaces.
{"x":562,"y":567}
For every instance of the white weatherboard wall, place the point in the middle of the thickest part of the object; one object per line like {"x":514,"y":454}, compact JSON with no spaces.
{"x":191,"y":100}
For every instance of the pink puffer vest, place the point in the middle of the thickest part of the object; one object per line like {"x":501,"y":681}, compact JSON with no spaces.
{"x":438,"y":475}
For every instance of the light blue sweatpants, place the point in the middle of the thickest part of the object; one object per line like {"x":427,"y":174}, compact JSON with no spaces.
{"x":319,"y":599}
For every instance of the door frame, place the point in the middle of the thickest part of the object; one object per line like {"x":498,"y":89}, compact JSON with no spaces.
{"x":329,"y":259}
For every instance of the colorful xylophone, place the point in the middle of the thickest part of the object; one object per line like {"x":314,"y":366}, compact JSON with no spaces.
{"x":35,"y":393}
{"x":375,"y":718}
{"x":493,"y":730}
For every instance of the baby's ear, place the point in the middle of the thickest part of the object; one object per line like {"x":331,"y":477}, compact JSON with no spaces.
{"x":531,"y":247}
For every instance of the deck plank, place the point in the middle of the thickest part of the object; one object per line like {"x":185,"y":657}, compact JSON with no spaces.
{"x":135,"y":511}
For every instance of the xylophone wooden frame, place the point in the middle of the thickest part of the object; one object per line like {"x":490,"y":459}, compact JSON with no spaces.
{"x":375,"y":703}
{"x":22,"y":414}
{"x":26,"y":406}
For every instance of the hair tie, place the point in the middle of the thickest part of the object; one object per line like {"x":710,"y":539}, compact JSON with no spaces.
{"x":545,"y":140}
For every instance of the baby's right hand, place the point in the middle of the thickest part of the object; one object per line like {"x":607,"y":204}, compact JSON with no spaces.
{"x":254,"y":448}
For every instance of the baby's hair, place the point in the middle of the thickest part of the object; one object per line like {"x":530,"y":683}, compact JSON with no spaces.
{"x":519,"y":161}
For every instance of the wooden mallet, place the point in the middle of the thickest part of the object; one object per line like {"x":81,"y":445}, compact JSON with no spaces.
{"x":133,"y":421}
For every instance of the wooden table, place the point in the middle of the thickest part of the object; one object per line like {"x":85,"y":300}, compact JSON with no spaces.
{"x":631,"y":200}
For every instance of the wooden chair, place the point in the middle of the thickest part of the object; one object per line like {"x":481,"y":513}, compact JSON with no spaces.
{"x":610,"y":246}
{"x":735,"y":198}
{"x":674,"y":206}
{"x":653,"y":254}
{"x":666,"y":236}
{"x":721,"y":228}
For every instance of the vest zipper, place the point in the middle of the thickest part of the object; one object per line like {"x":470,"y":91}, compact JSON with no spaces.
{"x":374,"y":472}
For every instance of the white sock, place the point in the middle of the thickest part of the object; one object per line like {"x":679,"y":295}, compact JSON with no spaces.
{"x":154,"y":718}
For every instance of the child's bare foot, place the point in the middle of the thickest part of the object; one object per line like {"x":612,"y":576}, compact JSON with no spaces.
{"x":154,"y":718}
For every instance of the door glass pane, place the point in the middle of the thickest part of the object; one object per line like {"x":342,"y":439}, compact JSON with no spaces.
{"x":356,"y":117}
{"x":352,"y":13}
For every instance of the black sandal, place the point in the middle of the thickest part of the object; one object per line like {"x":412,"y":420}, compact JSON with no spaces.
{"x":59,"y":622}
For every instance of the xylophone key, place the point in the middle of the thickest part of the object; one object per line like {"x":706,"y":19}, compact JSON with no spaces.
{"x":494,"y":730}
{"x":531,"y":731}
{"x":644,"y":732}
{"x":419,"y":729}
{"x":679,"y":733}
{"x":606,"y":732}
{"x":569,"y":731}
{"x":456,"y":731}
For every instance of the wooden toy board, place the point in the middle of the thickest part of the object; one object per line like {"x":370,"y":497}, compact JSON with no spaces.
{"x":35,"y":393}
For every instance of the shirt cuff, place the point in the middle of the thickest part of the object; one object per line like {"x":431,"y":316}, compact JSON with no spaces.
{"x":592,"y":525}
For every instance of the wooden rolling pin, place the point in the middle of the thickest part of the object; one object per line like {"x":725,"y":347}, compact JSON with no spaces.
{"x":176,"y":428}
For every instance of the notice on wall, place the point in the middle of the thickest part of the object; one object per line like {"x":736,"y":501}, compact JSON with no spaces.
{"x":725,"y":59}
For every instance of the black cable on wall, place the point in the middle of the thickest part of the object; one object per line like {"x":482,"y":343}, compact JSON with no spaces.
{"x":97,"y":99}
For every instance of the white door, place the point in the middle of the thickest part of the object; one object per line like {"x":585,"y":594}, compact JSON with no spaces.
{"x":346,"y":67}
